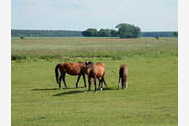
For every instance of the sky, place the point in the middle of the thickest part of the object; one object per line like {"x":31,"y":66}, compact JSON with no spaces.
{"x":149,"y":15}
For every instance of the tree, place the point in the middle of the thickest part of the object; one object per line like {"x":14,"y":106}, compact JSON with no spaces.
{"x":90,"y":32}
{"x":104,"y":33}
{"x":114,"y":33}
{"x":175,"y":34}
{"x":128,"y":31}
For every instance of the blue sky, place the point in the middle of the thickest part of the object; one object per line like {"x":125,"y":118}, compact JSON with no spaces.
{"x":149,"y":15}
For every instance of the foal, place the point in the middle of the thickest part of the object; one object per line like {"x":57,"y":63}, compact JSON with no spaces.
{"x":123,"y":75}
{"x":96,"y":71}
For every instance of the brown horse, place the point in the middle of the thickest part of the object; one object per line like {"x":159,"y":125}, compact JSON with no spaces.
{"x":123,"y":76}
{"x":77,"y":68}
{"x":96,"y":71}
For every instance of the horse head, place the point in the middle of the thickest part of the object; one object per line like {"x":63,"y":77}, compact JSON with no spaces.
{"x":88,"y":63}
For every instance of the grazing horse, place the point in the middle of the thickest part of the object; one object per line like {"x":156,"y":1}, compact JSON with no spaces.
{"x":96,"y":71}
{"x":74,"y":69}
{"x":123,"y":76}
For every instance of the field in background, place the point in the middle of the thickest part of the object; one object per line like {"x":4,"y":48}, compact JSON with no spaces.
{"x":151,"y":97}
{"x":92,"y":47}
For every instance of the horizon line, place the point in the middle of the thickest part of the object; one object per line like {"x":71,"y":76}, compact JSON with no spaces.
{"x":84,"y":30}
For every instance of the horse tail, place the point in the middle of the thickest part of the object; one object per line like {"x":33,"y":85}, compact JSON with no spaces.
{"x":56,"y":72}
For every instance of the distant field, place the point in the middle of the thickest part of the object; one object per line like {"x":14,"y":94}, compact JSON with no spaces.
{"x":90,"y":47}
{"x":150,"y":100}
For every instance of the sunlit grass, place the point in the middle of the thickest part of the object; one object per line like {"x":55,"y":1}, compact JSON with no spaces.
{"x":150,"y":100}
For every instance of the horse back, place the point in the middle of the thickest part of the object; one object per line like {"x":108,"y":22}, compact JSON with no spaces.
{"x":73,"y":68}
{"x":97,"y":70}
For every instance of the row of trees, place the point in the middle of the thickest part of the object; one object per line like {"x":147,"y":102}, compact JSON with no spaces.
{"x":124,"y":31}
{"x":100,"y":33}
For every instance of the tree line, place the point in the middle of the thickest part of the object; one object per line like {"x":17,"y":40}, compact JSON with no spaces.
{"x":124,"y":30}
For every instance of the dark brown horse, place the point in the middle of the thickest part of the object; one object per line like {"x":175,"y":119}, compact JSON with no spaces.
{"x":75,"y":69}
{"x":96,"y":71}
{"x":123,"y":76}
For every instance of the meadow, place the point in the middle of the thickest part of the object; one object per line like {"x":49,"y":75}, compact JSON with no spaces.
{"x":150,"y":100}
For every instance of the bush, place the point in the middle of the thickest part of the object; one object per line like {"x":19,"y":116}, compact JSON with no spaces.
{"x":21,"y":37}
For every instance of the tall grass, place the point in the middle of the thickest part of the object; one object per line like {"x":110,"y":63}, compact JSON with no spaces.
{"x":92,"y":47}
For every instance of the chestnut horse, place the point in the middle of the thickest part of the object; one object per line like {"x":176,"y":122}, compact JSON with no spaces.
{"x":123,"y":76}
{"x":77,"y":68}
{"x":96,"y":71}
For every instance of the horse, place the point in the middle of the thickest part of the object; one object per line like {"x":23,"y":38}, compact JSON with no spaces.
{"x":123,"y":76}
{"x":71,"y":68}
{"x":96,"y":71}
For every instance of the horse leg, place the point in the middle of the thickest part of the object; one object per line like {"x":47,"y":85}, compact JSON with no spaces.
{"x":89,"y":82}
{"x":59,"y":81}
{"x":95,"y":83}
{"x":123,"y":83}
{"x":119,"y":82}
{"x":84,"y":80}
{"x":104,"y":82}
{"x":126,"y":82}
{"x":101,"y":86}
{"x":63,"y":77}
{"x":99,"y":80}
{"x":78,"y":78}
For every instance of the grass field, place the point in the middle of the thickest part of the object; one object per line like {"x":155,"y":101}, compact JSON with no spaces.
{"x":150,"y":100}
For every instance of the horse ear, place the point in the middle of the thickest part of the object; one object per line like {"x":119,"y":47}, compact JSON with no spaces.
{"x":86,"y":63}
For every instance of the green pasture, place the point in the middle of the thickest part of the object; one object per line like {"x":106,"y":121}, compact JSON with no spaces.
{"x":92,"y":47}
{"x":150,"y":100}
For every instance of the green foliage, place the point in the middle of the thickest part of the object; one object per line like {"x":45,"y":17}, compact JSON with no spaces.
{"x":100,"y":33}
{"x":128,"y":30}
{"x":104,"y":33}
{"x":90,"y":32}
{"x":175,"y":34}
{"x":107,"y":33}
{"x":114,"y":33}
{"x":124,"y":31}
